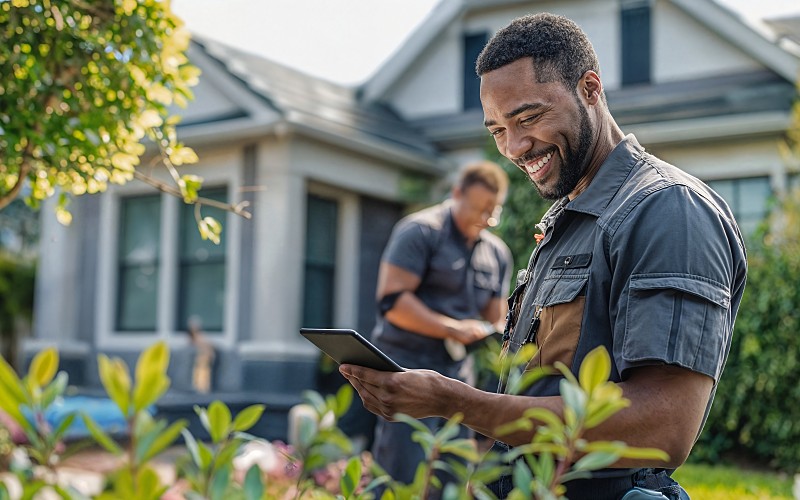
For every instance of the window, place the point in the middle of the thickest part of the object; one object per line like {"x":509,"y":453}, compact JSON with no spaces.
{"x":473,"y":45}
{"x":201,"y":269}
{"x":184,"y":275}
{"x":748,"y":198}
{"x":635,"y":41}
{"x":320,"y":264}
{"x":138,"y":259}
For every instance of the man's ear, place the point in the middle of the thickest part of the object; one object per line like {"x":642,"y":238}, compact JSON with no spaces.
{"x":456,"y":193}
{"x":590,"y":87}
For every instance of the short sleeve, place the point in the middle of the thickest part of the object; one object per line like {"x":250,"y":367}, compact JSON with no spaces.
{"x":409,"y":247}
{"x":673,"y":274}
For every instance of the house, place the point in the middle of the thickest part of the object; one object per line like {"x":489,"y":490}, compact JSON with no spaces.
{"x":328,"y":170}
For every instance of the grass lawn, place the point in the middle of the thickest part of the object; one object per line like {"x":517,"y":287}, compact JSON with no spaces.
{"x":705,"y":482}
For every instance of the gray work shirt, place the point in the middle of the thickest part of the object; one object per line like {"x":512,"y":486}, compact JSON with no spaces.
{"x":456,"y":280}
{"x":648,"y":262}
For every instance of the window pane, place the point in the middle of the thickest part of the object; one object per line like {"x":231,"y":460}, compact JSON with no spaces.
{"x":321,"y":226}
{"x":321,"y":230}
{"x":138,"y":297}
{"x":202,"y":295}
{"x":473,"y":44}
{"x":141,"y":222}
{"x":318,"y":300}
{"x":753,"y":196}
{"x":748,"y":199}
{"x":138,"y":266}
{"x":201,"y":279}
{"x":725,"y":189}
{"x":636,"y":44}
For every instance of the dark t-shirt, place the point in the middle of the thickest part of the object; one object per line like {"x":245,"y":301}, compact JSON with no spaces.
{"x":456,"y":280}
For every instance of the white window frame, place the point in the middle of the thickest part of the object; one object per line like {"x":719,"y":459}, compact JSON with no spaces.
{"x":229,"y":175}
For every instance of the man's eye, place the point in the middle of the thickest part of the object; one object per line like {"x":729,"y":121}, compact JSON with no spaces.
{"x":529,"y":119}
{"x":496,"y":132}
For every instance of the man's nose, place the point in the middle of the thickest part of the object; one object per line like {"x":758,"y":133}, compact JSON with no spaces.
{"x":517,"y":144}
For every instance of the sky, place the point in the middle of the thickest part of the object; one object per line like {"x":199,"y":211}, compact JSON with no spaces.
{"x":345,"y":41}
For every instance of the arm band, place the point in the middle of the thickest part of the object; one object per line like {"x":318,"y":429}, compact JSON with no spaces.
{"x":388,"y":301}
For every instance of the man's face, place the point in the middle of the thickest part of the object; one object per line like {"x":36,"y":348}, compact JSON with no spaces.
{"x":541,"y":127}
{"x":475,"y":209}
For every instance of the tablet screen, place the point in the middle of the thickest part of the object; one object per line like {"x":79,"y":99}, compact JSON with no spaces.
{"x":349,"y":347}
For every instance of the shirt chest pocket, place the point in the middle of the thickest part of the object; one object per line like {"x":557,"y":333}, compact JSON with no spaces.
{"x":562,"y":300}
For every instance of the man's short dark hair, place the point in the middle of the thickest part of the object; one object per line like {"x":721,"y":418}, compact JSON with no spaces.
{"x":558,"y":48}
{"x":486,"y":173}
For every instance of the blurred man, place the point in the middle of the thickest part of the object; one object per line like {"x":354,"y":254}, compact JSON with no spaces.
{"x":442,"y":285}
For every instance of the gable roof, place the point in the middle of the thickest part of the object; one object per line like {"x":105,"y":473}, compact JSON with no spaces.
{"x":282,"y":100}
{"x":757,"y":41}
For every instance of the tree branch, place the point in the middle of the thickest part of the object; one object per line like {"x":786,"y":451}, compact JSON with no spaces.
{"x":238,"y":209}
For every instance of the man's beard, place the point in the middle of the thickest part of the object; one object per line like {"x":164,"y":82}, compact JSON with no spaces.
{"x":574,"y":165}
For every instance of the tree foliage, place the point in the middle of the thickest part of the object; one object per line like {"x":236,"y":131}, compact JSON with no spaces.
{"x":82,"y":84}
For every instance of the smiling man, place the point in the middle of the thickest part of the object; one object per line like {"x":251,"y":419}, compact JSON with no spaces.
{"x":637,"y":256}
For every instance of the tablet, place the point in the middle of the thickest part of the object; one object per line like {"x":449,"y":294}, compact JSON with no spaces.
{"x":348,"y":347}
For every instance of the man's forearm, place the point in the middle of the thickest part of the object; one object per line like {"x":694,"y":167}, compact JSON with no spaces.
{"x":410,"y":313}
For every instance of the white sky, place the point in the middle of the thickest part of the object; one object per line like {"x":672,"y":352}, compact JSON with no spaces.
{"x":345,"y":41}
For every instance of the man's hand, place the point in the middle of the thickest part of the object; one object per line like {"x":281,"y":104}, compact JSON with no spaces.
{"x":467,"y":331}
{"x":413,"y":392}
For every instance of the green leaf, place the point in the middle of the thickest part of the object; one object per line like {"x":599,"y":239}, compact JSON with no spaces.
{"x":147,"y":394}
{"x":165,"y":439}
{"x":154,"y":359}
{"x":601,"y":414}
{"x":205,"y":454}
{"x":253,"y":484}
{"x":351,"y":477}
{"x":43,"y":367}
{"x":63,"y":426}
{"x":116,"y":381}
{"x":413,"y":422}
{"x":10,"y":383}
{"x":574,"y":398}
{"x":219,"y":418}
{"x":55,"y":389}
{"x":595,"y":369}
{"x":191,"y":446}
{"x":248,"y":417}
{"x":100,"y":436}
{"x":522,"y":479}
{"x":220,"y":483}
{"x":151,"y":375}
{"x":344,"y":398}
{"x":464,"y":448}
{"x":596,"y":460}
{"x":226,"y":453}
{"x":644,"y":453}
{"x":149,"y":485}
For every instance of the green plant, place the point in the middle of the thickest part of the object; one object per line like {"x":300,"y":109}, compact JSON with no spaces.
{"x":319,"y":440}
{"x":210,"y":470}
{"x":558,"y":451}
{"x":26,"y":400}
{"x":147,"y":437}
